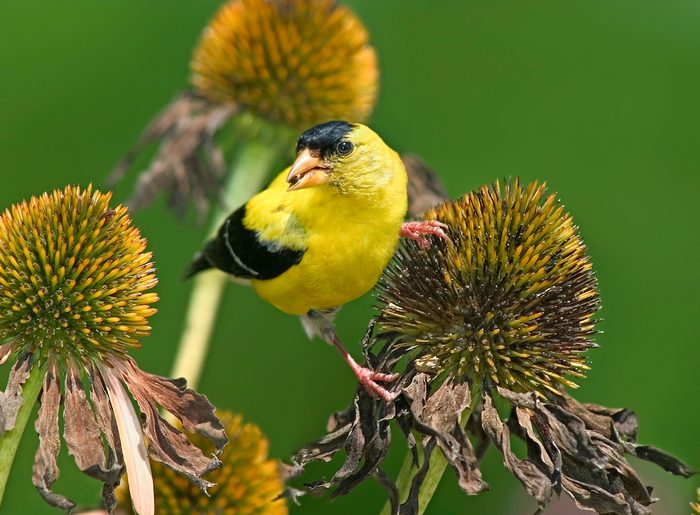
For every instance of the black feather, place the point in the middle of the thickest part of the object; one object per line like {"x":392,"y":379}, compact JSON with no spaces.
{"x":239,"y":251}
{"x":324,"y":138}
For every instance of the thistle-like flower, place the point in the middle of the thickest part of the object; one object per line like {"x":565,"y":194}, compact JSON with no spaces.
{"x":294,"y":63}
{"x":506,"y":309}
{"x":248,"y":482}
{"x":75,"y":297}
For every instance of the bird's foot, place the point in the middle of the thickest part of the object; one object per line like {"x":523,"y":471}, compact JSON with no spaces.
{"x":368,"y":379}
{"x":418,"y":230}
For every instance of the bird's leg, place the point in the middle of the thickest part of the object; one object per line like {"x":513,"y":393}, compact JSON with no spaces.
{"x":368,"y":378}
{"x":418,"y":230}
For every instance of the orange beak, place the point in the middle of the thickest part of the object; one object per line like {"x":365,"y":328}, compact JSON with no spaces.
{"x":307,"y":171}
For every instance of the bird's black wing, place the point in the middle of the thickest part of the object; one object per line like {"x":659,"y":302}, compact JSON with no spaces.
{"x":238,"y":250}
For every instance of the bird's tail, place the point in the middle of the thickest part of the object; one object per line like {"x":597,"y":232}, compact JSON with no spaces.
{"x":198,"y":264}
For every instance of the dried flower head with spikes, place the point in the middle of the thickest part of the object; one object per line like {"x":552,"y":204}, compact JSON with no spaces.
{"x":293,"y":63}
{"x":75,"y":297}
{"x":503,"y":311}
{"x":512,"y":300}
{"x":248,"y":481}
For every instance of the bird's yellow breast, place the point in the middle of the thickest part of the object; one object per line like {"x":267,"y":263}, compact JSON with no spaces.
{"x":348,"y":241}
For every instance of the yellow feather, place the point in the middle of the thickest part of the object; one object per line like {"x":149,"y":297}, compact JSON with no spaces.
{"x":349,"y":228}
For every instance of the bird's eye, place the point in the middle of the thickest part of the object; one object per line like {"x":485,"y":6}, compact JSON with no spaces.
{"x":344,"y":148}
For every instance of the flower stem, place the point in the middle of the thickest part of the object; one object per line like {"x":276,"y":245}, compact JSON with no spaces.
{"x":9,"y":442}
{"x":438,"y":464}
{"x":248,"y":175}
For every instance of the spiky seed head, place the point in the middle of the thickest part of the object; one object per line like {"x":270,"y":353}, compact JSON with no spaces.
{"x":299,"y":62}
{"x":247,"y":482}
{"x":74,"y":276}
{"x":511,"y":300}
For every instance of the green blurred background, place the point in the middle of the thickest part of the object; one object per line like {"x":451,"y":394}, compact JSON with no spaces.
{"x":600,"y":99}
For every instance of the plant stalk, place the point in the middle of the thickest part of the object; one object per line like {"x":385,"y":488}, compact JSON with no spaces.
{"x":9,"y":442}
{"x":248,"y":175}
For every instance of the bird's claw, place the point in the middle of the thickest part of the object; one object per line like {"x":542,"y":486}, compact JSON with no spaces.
{"x":368,"y":379}
{"x":417,"y":231}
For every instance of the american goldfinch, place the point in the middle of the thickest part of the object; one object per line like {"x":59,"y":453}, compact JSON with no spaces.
{"x":321,"y":234}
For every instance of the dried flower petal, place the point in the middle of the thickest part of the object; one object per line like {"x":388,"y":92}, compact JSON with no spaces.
{"x":81,"y":433}
{"x":167,"y":444}
{"x":188,"y":164}
{"x":537,"y":483}
{"x":193,"y":409}
{"x":138,"y":468}
{"x":11,"y":398}
{"x":45,"y":472}
{"x":425,"y":190}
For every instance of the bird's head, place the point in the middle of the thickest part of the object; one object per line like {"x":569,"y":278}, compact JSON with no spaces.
{"x":349,"y":157}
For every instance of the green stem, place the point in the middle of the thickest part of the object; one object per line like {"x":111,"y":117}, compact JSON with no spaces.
{"x":9,"y":442}
{"x":248,"y":175}
{"x":438,"y":464}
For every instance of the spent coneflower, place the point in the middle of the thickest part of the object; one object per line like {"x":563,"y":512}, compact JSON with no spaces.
{"x":513,"y":299}
{"x":248,"y":482}
{"x":506,"y":309}
{"x":293,"y":63}
{"x":75,"y":297}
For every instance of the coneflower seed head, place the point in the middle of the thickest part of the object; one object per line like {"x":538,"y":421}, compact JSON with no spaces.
{"x":511,"y":300}
{"x":74,"y":276}
{"x":299,"y":62}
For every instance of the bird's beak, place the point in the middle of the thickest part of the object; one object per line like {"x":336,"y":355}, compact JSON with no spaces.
{"x":307,"y":171}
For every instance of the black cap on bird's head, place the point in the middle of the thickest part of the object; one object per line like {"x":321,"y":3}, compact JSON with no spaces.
{"x":324,"y":138}
{"x":314,"y":148}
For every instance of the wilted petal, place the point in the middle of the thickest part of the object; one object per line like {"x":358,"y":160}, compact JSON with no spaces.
{"x":536,"y":482}
{"x":81,"y":432}
{"x":591,"y":497}
{"x":187,"y":163}
{"x":193,"y":409}
{"x":661,"y":458}
{"x":105,"y":416}
{"x":138,"y":468}
{"x":11,"y":398}
{"x":45,"y":471}
{"x":425,"y":190}
{"x":443,"y":412}
{"x":166,"y":444}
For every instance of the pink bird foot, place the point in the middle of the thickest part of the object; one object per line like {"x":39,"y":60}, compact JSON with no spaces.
{"x":418,"y":230}
{"x":368,"y":377}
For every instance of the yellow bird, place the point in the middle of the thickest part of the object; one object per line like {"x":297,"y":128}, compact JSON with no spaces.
{"x":321,"y":234}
